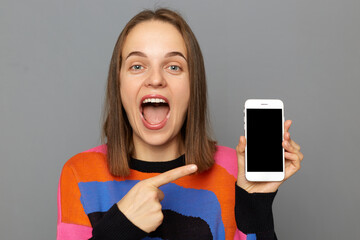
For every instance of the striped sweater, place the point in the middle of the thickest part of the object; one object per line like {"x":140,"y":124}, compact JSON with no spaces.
{"x":201,"y":206}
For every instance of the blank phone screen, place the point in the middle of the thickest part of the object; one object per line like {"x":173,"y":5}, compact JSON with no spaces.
{"x":264,"y":140}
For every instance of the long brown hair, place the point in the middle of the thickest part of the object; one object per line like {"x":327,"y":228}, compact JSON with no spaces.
{"x":199,"y":147}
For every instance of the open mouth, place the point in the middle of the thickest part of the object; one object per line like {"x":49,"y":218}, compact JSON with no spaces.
{"x":155,"y":111}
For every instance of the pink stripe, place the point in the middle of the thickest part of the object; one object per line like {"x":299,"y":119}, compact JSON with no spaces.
{"x":227,"y":158}
{"x":100,"y":149}
{"x":66,"y":231}
{"x":59,"y":204}
{"x":239,"y":235}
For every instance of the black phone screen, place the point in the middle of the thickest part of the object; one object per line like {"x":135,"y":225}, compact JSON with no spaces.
{"x":264,"y":140}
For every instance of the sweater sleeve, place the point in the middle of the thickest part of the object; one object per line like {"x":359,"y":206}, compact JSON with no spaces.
{"x":115,"y":226}
{"x":73,"y":223}
{"x":253,"y":214}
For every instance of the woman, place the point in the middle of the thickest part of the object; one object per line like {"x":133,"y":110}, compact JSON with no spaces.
{"x":159,"y":174}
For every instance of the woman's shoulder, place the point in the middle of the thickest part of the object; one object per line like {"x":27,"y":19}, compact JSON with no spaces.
{"x":226,"y":157}
{"x":99,"y":149}
{"x":223,"y":151}
{"x":93,"y":159}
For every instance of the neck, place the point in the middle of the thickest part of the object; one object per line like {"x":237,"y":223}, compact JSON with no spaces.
{"x":158,"y":153}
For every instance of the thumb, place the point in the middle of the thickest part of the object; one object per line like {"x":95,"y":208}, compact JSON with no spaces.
{"x":160,"y":195}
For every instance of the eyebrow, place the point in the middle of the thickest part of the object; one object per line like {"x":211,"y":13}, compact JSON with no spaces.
{"x":136,"y":53}
{"x":170,"y":54}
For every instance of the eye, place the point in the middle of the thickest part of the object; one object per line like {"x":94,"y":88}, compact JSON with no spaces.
{"x":136,"y":67}
{"x":174,"y":68}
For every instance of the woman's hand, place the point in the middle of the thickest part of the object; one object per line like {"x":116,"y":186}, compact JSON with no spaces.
{"x":141,"y":205}
{"x":293,"y":158}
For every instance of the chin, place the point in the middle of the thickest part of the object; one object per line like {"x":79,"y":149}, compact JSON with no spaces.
{"x":158,"y":138}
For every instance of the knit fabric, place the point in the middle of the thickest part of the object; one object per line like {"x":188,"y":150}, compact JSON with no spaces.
{"x":201,"y":206}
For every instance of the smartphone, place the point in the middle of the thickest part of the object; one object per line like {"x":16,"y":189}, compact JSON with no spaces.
{"x":264,"y":132}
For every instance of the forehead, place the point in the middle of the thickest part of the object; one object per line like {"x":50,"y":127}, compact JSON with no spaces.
{"x":154,"y":37}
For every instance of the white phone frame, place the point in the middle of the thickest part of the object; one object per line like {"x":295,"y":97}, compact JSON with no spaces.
{"x":264,"y":104}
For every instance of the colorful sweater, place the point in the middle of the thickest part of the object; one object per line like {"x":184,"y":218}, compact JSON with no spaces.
{"x":201,"y":206}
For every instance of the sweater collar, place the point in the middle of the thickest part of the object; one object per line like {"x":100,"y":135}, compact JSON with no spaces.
{"x":156,"y":167}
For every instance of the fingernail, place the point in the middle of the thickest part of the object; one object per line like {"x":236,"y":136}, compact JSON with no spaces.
{"x":193,"y":167}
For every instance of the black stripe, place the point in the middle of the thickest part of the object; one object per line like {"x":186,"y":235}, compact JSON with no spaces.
{"x":156,"y":167}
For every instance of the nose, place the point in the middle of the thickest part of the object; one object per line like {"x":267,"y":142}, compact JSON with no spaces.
{"x":155,"y":79}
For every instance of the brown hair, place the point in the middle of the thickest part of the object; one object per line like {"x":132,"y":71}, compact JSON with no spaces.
{"x":199,"y":147}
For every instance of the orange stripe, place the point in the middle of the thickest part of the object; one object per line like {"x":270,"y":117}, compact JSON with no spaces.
{"x":72,"y":210}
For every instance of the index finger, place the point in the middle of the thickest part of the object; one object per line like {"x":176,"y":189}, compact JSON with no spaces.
{"x":172,"y":175}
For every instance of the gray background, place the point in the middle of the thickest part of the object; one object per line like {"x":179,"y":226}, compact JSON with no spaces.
{"x":54,"y":58}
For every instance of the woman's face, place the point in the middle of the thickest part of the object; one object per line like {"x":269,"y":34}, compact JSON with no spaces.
{"x":154,"y":83}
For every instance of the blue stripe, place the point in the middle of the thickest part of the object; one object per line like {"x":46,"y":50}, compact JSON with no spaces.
{"x":251,"y":236}
{"x":100,"y":196}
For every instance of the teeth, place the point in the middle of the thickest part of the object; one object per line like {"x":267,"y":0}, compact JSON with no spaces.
{"x":154,"y":100}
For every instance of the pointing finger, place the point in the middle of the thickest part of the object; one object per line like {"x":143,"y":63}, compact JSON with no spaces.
{"x":172,"y":175}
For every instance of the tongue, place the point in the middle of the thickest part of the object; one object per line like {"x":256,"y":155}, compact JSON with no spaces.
{"x":155,"y":114}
